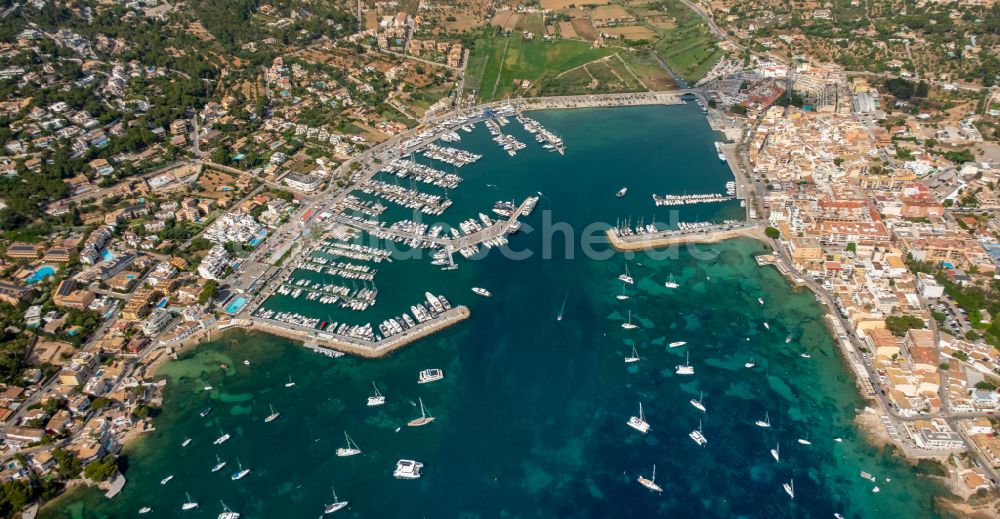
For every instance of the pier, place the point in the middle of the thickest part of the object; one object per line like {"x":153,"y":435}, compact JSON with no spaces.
{"x":356,"y":346}
{"x":673,"y":237}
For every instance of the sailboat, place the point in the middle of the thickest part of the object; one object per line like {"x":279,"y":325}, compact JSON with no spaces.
{"x":633,"y":358}
{"x":768,"y":326}
{"x":273,"y":416}
{"x":219,"y":464}
{"x":290,"y":383}
{"x":639,"y":422}
{"x":776,"y":452}
{"x":628,"y":325}
{"x":804,"y":441}
{"x":766,"y":422}
{"x":670,"y":283}
{"x":351,"y":450}
{"x":424,"y":419}
{"x":650,"y":483}
{"x":697,"y":402}
{"x":790,"y":488}
{"x":622,"y":296}
{"x":227,"y":513}
{"x":760,"y":300}
{"x":166,"y":480}
{"x":377,"y":398}
{"x":686,"y":368}
{"x":189,"y":504}
{"x":336,"y":505}
{"x":221,"y":439}
{"x":698,"y":436}
{"x":239,"y":474}
{"x":750,"y":363}
{"x":145,"y":510}
{"x":626,"y":277}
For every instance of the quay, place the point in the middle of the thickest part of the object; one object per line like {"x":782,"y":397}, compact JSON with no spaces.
{"x":673,"y":237}
{"x":354,"y":346}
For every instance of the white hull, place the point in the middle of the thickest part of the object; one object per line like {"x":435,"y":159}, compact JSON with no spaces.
{"x":375,"y":401}
{"x":649,"y":484}
{"x":638,"y":424}
{"x":348,"y":452}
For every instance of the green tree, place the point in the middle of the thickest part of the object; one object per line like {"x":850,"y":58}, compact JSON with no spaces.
{"x":102,"y":469}
{"x":900,"y":324}
{"x":210,"y":290}
{"x":772,"y":233}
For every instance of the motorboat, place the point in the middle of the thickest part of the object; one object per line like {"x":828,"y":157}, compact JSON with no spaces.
{"x":482,"y":291}
{"x":430,"y":375}
{"x":407,"y":469}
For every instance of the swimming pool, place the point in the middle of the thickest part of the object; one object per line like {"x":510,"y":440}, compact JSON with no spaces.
{"x":236,"y":305}
{"x":40,"y":274}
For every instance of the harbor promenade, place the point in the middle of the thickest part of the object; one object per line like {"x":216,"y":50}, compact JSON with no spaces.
{"x":356,"y":346}
{"x":713,"y":234}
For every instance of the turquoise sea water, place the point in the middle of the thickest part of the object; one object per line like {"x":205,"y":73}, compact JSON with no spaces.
{"x":531,"y":414}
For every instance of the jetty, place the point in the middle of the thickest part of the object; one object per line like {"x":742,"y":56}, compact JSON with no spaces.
{"x":711,"y":234}
{"x":314,"y":338}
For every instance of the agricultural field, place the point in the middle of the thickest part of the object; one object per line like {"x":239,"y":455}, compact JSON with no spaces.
{"x":496,"y":62}
{"x":688,"y":48}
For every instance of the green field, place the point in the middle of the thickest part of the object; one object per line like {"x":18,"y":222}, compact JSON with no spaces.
{"x":496,"y":62}
{"x":689,"y":48}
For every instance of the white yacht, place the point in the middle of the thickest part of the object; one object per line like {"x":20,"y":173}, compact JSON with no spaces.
{"x":145,"y":510}
{"x":407,"y":469}
{"x":290,"y":383}
{"x":790,"y":488}
{"x":677,"y":344}
{"x":776,"y":452}
{"x":430,"y":375}
{"x":686,"y":368}
{"x":221,"y":439}
{"x":639,"y":422}
{"x":350,"y":450}
{"x":788,"y":339}
{"x":698,"y":436}
{"x":750,"y":363}
{"x":760,"y":300}
{"x":186,"y":442}
{"x":425,"y":417}
{"x":650,"y":483}
{"x":768,"y":326}
{"x":804,"y":441}
{"x":805,"y":355}
{"x":670,"y":283}
{"x":626,"y":278}
{"x":633,"y":358}
{"x":482,"y":291}
{"x":621,"y":192}
{"x":189,"y":504}
{"x":337,"y":504}
{"x":697,"y":402}
{"x":273,"y":416}
{"x":766,"y":422}
{"x":227,"y":513}
{"x":376,"y":399}
{"x":622,"y":296}
{"x":219,"y":464}
{"x":628,"y":325}
{"x":166,"y":480}
{"x":239,"y":474}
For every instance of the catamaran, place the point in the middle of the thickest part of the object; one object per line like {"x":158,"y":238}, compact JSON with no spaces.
{"x":351,"y":450}
{"x":697,"y":402}
{"x":670,"y":283}
{"x":686,"y":368}
{"x":766,"y":422}
{"x":189,"y":504}
{"x":407,"y":469}
{"x":633,"y":358}
{"x":227,"y":513}
{"x":221,"y":439}
{"x":622,"y":296}
{"x":425,"y":418}
{"x":790,"y":488}
{"x":376,"y":399}
{"x":698,"y":436}
{"x":650,"y":483}
{"x":482,"y":291}
{"x":273,"y":416}
{"x":750,"y":363}
{"x":290,"y":383}
{"x":337,"y":504}
{"x":166,"y":480}
{"x":628,"y":325}
{"x":219,"y":464}
{"x":639,"y":422}
{"x":239,"y":474}
{"x":626,"y":278}
{"x":776,"y":452}
{"x":430,"y":375}
{"x":677,"y":344}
